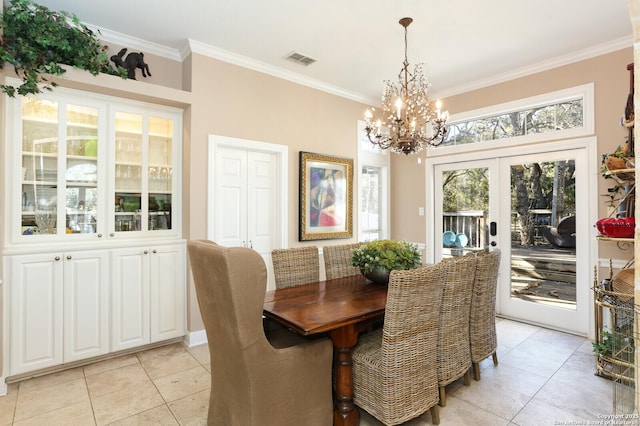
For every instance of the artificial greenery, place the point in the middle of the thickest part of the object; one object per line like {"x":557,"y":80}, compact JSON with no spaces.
{"x":387,"y":254}
{"x":614,"y":345}
{"x":37,"y":41}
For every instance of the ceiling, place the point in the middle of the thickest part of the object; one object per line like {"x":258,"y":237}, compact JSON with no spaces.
{"x":464,"y":44}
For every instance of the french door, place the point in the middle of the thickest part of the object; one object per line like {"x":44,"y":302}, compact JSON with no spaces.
{"x":535,"y":209}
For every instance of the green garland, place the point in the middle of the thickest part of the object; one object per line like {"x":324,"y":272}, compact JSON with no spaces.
{"x":37,"y":41}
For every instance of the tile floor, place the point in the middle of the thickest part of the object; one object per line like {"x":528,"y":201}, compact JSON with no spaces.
{"x":544,"y":378}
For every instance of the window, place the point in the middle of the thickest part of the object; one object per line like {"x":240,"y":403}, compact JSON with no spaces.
{"x":373,"y":189}
{"x":565,"y":113}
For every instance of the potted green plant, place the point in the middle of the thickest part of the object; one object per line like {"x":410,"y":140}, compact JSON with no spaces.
{"x":38,"y":42}
{"x":376,"y":259}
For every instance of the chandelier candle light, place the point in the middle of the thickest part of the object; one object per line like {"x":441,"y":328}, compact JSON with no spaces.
{"x":406,"y":112}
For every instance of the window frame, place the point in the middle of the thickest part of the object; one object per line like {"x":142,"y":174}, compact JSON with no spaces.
{"x":585,"y":92}
{"x":381,"y":160}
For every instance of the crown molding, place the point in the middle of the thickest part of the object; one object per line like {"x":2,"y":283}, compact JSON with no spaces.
{"x":199,"y":48}
{"x":129,"y":42}
{"x":194,"y":46}
{"x":591,"y":52}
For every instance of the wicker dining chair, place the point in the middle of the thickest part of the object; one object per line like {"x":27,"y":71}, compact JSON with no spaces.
{"x":295,"y":266}
{"x":454,"y":352}
{"x":337,"y":260}
{"x":395,"y":374}
{"x":482,"y":324}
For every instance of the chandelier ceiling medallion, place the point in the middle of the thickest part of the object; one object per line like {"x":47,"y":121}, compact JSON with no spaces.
{"x":407,"y":111}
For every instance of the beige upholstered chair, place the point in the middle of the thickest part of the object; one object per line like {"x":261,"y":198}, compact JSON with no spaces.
{"x":295,"y":266}
{"x":337,"y":260}
{"x":454,"y":353}
{"x":395,"y":374}
{"x":254,"y":381}
{"x":483,"y":311}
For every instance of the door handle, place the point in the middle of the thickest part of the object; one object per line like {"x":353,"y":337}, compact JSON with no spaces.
{"x":493,"y":229}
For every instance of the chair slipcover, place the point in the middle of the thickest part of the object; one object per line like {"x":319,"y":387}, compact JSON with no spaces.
{"x":295,"y":266}
{"x":337,"y":260}
{"x":394,"y":368}
{"x":253,"y":382}
{"x":482,"y":325}
{"x":454,"y":353}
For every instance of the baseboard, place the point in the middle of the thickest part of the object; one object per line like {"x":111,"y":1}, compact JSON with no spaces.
{"x":195,"y":338}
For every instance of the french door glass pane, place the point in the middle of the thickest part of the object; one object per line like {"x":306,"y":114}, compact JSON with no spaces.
{"x":465,"y":208}
{"x":543,"y":249}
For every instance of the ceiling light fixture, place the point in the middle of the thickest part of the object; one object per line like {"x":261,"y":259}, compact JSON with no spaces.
{"x":407,"y":111}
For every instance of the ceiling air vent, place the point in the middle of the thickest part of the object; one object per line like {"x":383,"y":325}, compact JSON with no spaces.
{"x":301,"y":59}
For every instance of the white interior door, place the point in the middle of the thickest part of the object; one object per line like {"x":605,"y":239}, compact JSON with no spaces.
{"x":504,"y":203}
{"x":247,"y":198}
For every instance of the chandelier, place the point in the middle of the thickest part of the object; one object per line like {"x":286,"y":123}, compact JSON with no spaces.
{"x":407,"y":112}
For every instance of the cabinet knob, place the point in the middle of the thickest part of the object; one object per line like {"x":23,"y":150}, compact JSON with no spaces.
{"x":69,"y":256}
{"x":155,"y":251}
{"x":99,"y":235}
{"x":146,"y":251}
{"x":57,"y":258}
{"x":111,"y":234}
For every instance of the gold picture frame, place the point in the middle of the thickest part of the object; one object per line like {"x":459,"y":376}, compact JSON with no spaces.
{"x":326,"y":197}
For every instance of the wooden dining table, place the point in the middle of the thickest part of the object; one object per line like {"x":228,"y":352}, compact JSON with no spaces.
{"x":342,"y":309}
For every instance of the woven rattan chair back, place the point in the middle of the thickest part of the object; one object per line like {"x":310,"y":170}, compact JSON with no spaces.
{"x":295,"y":266}
{"x":394,"y":368}
{"x":454,"y":353}
{"x":337,"y":261}
{"x":482,"y":324}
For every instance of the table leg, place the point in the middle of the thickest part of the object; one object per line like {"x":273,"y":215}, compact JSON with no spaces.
{"x":344,"y":411}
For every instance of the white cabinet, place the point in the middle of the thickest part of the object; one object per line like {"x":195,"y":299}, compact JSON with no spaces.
{"x":91,"y":167}
{"x":148,"y":295}
{"x":167,"y":292}
{"x":58,"y":308}
{"x":92,"y":248}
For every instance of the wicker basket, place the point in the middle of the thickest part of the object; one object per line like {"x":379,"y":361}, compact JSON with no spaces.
{"x":623,"y":282}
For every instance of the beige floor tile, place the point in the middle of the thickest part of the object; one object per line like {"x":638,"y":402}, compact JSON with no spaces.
{"x":537,"y":413}
{"x":201,"y":354}
{"x":191,"y":410}
{"x":126,"y":402}
{"x":52,"y":379}
{"x":110,"y":364}
{"x":8,"y":404}
{"x":79,"y":414}
{"x":166,"y":360}
{"x":39,"y":401}
{"x":544,"y":360}
{"x":113,"y":380}
{"x":558,"y":339}
{"x":512,"y":333}
{"x":179,"y":385}
{"x":159,"y":416}
{"x":493,"y":398}
{"x":459,"y":412}
{"x":576,"y":389}
{"x":513,"y":378}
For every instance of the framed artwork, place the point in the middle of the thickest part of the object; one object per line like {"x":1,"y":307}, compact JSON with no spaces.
{"x":326,"y":197}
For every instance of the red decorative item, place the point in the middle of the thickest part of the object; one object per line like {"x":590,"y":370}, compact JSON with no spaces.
{"x":621,"y":227}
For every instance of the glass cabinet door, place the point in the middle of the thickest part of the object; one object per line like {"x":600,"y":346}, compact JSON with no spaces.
{"x":128,"y":172}
{"x":143,"y":172}
{"x":160,"y":172}
{"x":59,"y":168}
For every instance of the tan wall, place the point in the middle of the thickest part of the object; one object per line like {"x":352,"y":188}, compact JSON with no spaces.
{"x":611,"y":84}
{"x":240,"y":103}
